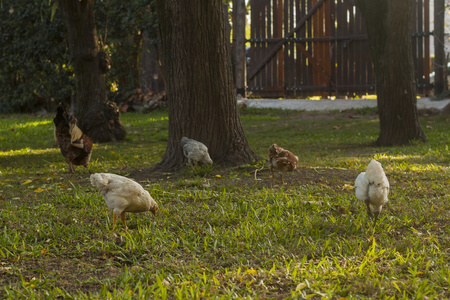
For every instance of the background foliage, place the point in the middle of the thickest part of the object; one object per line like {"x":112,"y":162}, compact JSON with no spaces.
{"x":34,"y":61}
{"x":35,"y":70}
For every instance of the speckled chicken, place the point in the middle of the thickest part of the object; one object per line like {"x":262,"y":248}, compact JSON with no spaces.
{"x":123,"y":195}
{"x":282,"y":160}
{"x":372,"y":187}
{"x":75,"y":146}
{"x":195,"y":151}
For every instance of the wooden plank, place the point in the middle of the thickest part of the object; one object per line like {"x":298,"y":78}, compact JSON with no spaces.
{"x":416,"y":40}
{"x":340,"y":13}
{"x":360,"y":70}
{"x":370,"y":74}
{"x":342,"y":52}
{"x":252,"y":52}
{"x":275,"y":48}
{"x":288,"y":52}
{"x":332,"y":20}
{"x":320,"y":51}
{"x":427,"y":60}
{"x":301,"y":67}
{"x":309,"y":79}
{"x":317,"y":65}
{"x":280,"y":59}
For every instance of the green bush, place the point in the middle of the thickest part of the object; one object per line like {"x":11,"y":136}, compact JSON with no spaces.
{"x":34,"y":62}
{"x":35,"y":69}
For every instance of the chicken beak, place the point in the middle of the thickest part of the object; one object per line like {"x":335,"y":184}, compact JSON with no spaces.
{"x":153,"y":210}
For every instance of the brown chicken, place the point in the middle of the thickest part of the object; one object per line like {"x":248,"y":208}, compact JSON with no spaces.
{"x":281,"y":160}
{"x":75,"y":146}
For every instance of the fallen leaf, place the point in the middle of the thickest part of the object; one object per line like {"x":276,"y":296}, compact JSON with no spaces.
{"x":27,"y":182}
{"x":39,"y":190}
{"x":347,"y":187}
{"x":300,"y":286}
{"x":166,"y":283}
{"x":4,"y":269}
{"x":340,"y":209}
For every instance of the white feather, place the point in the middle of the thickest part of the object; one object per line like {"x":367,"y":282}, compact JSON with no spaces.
{"x":122,"y":194}
{"x":372,"y":186}
{"x":361,"y":187}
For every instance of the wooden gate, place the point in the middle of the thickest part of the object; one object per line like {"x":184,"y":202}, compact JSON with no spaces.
{"x":304,"y":48}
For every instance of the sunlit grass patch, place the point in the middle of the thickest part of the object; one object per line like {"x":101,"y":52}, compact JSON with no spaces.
{"x":227,"y":233}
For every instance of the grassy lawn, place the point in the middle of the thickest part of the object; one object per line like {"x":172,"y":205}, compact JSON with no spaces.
{"x":226,"y":233}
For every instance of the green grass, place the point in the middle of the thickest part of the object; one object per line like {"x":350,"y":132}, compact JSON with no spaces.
{"x":219,"y":232}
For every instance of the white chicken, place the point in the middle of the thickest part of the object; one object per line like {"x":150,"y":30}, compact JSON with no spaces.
{"x":123,"y":195}
{"x":372,"y":187}
{"x":195,"y":151}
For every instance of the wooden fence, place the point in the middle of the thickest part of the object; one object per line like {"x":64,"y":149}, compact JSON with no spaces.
{"x":303,"y":48}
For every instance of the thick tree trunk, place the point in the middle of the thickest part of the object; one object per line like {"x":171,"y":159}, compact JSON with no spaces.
{"x":97,"y":117}
{"x":199,"y":83}
{"x":389,"y":29}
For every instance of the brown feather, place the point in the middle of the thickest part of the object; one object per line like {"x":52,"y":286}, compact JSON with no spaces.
{"x":282,"y":160}
{"x":75,"y":146}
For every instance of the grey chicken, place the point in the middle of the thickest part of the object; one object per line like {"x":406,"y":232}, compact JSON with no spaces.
{"x":195,"y":151}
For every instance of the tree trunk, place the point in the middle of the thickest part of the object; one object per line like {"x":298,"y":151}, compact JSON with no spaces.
{"x":440,"y":82}
{"x":97,"y":117}
{"x":389,"y":30}
{"x":199,"y":83}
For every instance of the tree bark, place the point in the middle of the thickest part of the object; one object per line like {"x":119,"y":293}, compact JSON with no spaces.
{"x":97,"y":117}
{"x":198,"y":78}
{"x":389,"y":30}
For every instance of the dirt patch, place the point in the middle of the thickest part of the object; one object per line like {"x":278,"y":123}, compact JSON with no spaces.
{"x":258,"y":177}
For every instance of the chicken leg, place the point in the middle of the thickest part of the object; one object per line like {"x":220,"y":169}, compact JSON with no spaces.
{"x":273,"y":176}
{"x":282,"y":181}
{"x":122,"y":217}
{"x":369,"y":211}
{"x":376,"y":213}
{"x":71,"y":170}
{"x":114,"y":220}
